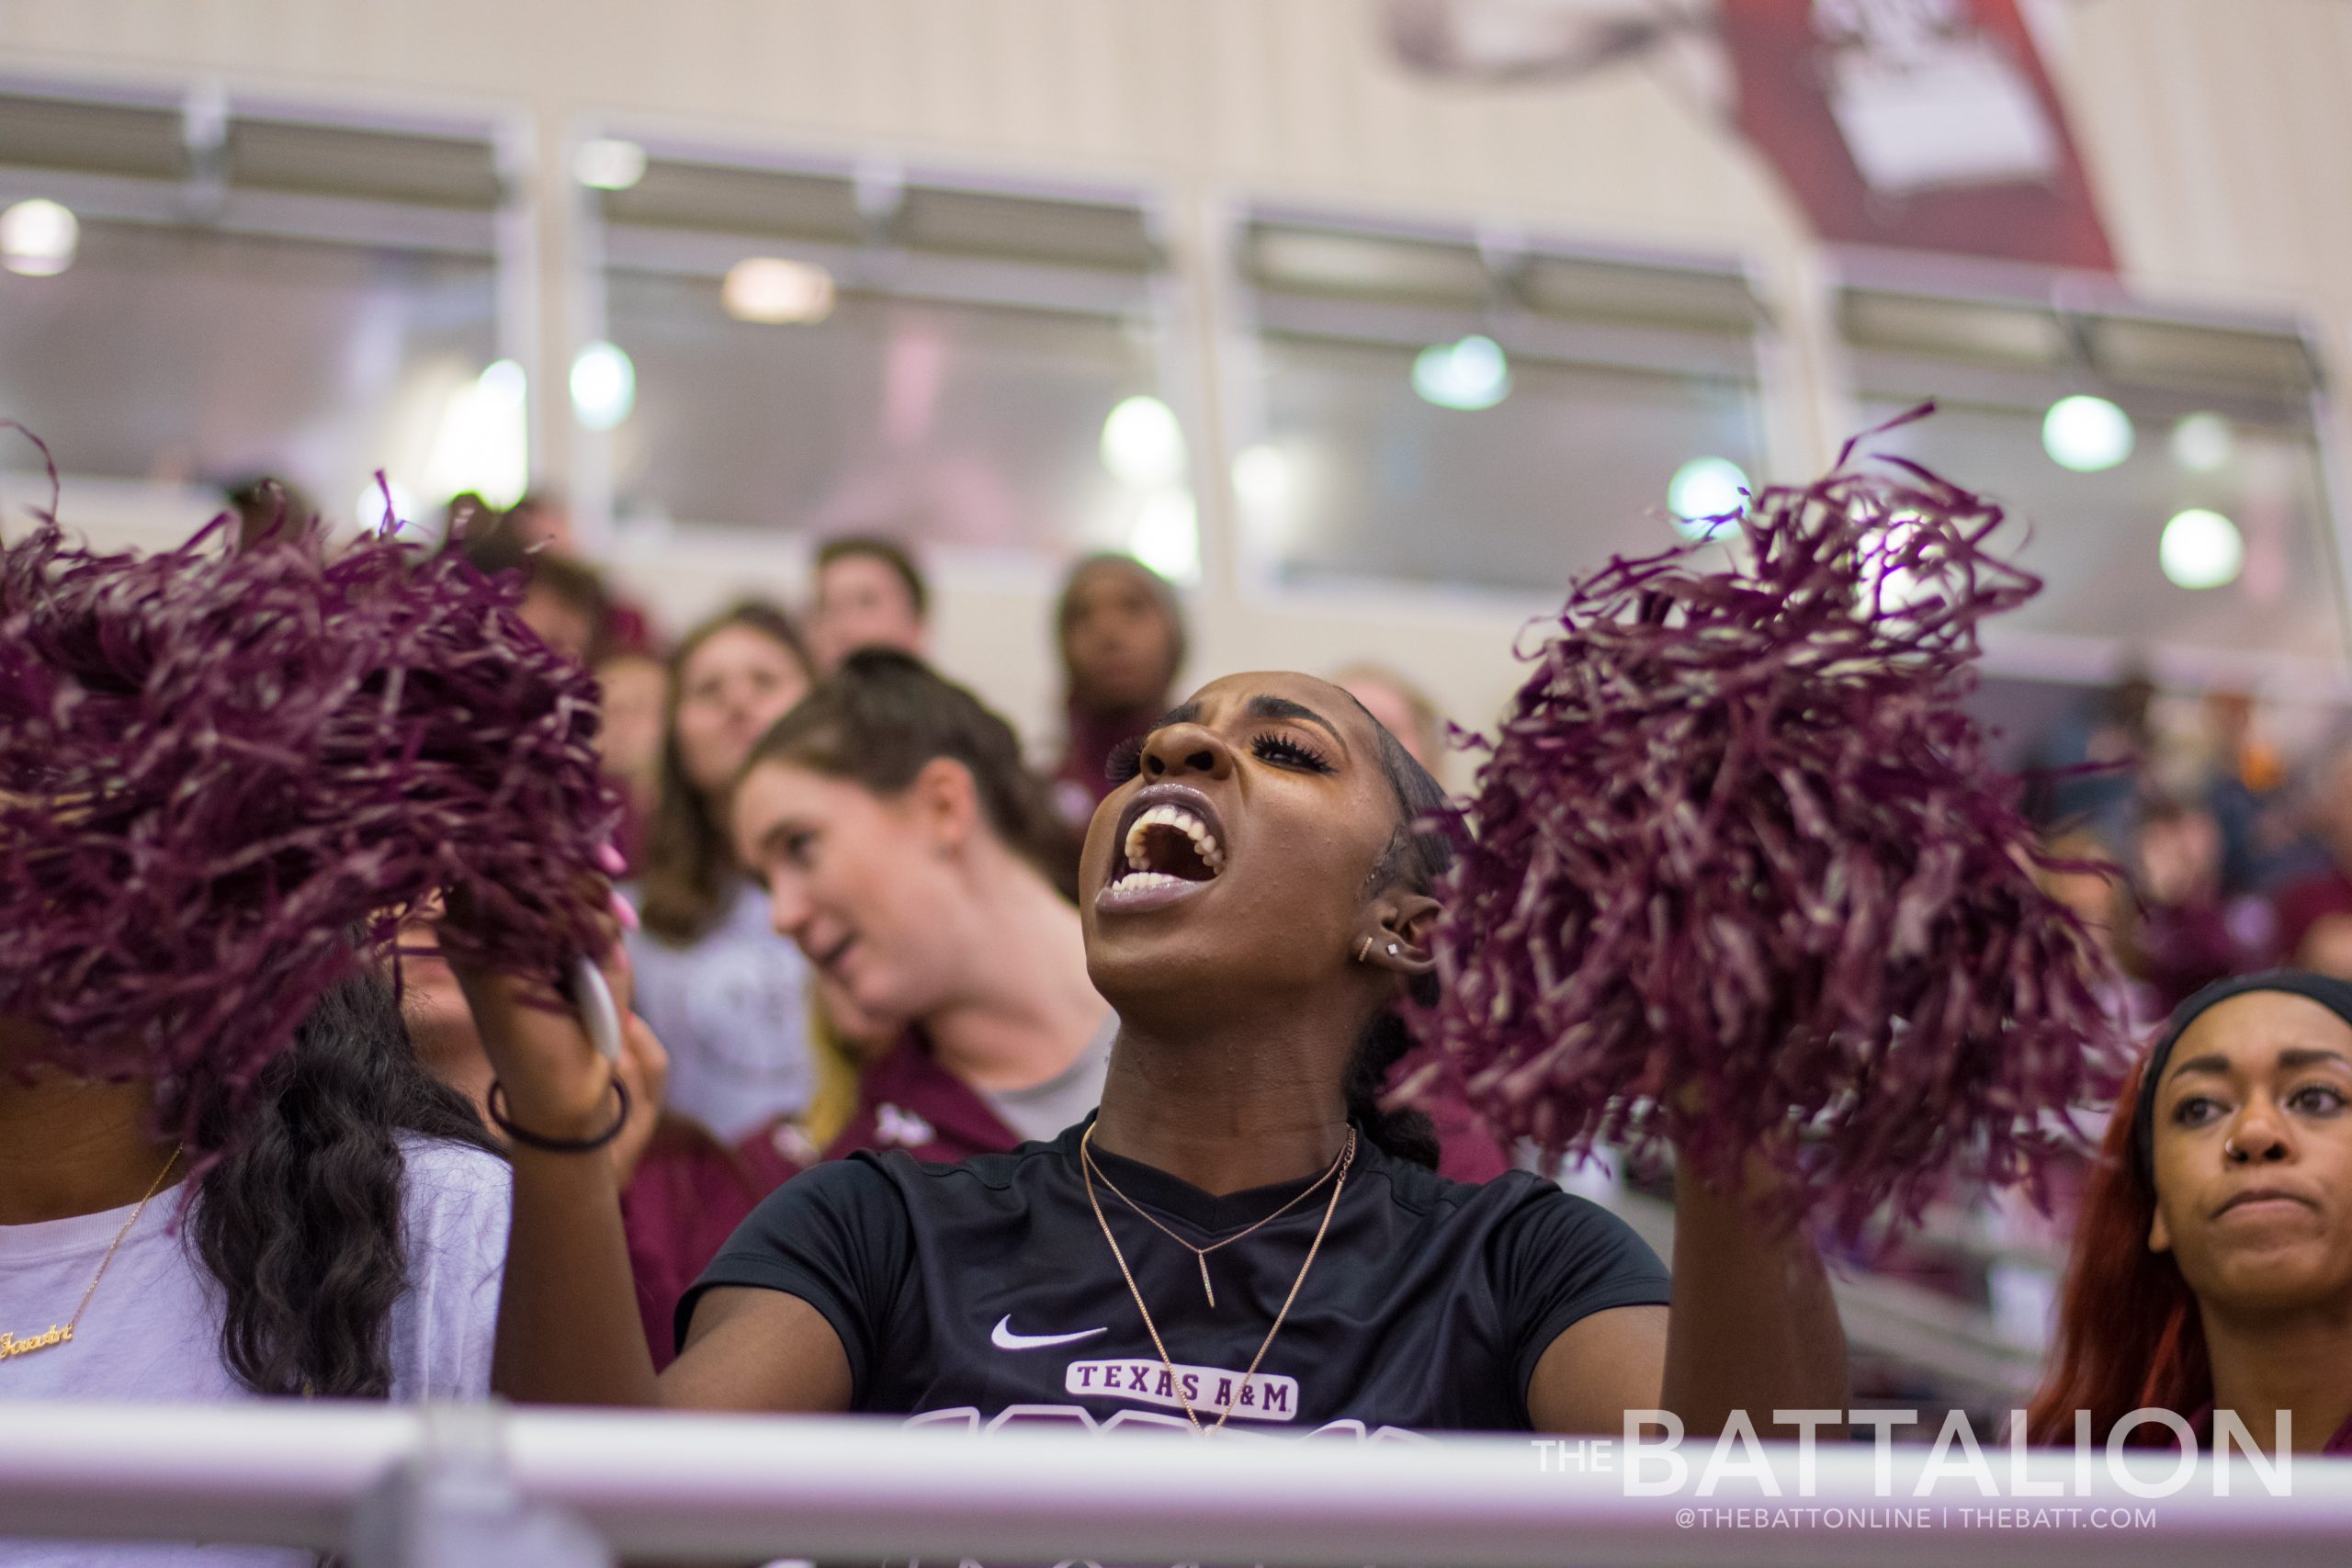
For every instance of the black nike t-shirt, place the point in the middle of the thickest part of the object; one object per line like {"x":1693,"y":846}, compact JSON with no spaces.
{"x":983,"y":1293}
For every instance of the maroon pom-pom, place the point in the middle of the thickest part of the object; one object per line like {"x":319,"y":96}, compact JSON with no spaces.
{"x":1741,"y":878}
{"x":226,"y":776}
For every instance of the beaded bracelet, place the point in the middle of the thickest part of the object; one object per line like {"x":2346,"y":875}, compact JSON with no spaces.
{"x":500,"y":1119}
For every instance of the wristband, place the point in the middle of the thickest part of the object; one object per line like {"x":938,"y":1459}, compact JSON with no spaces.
{"x":529,"y":1140}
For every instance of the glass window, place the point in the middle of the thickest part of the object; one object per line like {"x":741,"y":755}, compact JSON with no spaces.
{"x":1362,"y":476}
{"x":2251,"y":569}
{"x":952,"y":422}
{"x":1435,"y":409}
{"x":183,"y":355}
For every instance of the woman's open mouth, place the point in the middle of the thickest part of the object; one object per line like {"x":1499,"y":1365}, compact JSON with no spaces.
{"x":1168,"y":849}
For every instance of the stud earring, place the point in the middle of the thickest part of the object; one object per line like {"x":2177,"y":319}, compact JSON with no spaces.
{"x":1391,"y":949}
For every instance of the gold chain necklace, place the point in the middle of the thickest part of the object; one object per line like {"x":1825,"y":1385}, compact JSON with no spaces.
{"x":1201,"y":1253}
{"x":11,"y":1347}
{"x":1168,"y":1364}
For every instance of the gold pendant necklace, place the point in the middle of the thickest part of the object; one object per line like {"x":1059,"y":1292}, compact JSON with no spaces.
{"x":11,"y":1347}
{"x":1086,"y":1170}
{"x":1201,"y":1253}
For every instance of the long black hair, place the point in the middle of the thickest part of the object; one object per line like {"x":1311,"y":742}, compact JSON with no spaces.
{"x":300,"y":1221}
{"x":1416,"y":857}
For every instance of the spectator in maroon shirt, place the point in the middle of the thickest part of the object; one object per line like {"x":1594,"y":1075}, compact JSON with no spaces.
{"x":2316,"y":911}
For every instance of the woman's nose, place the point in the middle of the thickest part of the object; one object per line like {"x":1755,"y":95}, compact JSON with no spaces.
{"x":2258,"y":1135}
{"x":1180,"y":749}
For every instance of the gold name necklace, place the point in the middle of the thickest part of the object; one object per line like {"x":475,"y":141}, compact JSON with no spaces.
{"x":1086,"y":1170}
{"x":11,"y":1347}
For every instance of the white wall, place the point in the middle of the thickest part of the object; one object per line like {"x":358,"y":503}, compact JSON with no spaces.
{"x":2218,"y":133}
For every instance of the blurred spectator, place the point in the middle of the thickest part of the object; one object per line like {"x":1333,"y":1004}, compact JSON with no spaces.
{"x":2083,"y":875}
{"x":725,"y":994}
{"x":2187,"y":935}
{"x":869,"y":595}
{"x":541,"y":522}
{"x":262,"y":504}
{"x":533,"y":534}
{"x":636,"y":687}
{"x":566,"y":604}
{"x":1406,"y":710}
{"x":2089,"y":766}
{"x":1122,"y":637}
{"x":2315,"y":910}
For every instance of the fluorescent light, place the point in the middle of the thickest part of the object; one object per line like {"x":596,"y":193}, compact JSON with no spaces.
{"x":1142,"y":443}
{"x":2085,"y":433}
{"x":2201,"y":549}
{"x":371,"y":510}
{"x":604,"y":386}
{"x":608,"y":164}
{"x":1470,"y":375}
{"x":1703,"y":489}
{"x":1165,"y":535}
{"x":1262,"y":476}
{"x":775,"y":290}
{"x":38,"y":238}
{"x":2203,"y":444}
{"x":483,"y":441}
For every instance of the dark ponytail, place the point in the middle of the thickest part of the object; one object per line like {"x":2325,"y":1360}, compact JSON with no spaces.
{"x":1416,"y":857}
{"x":300,"y":1221}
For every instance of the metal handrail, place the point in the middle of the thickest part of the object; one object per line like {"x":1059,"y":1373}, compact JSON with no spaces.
{"x":721,"y":1488}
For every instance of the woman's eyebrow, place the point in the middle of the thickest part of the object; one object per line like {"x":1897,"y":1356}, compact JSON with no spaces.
{"x":1182,"y":713}
{"x":2300,"y":1057}
{"x":2211,"y":1061}
{"x":1282,"y":707}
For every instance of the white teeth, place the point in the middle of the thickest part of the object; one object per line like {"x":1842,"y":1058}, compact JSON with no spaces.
{"x":1204,"y":841}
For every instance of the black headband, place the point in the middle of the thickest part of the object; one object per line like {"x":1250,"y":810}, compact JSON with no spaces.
{"x":2333,"y":995}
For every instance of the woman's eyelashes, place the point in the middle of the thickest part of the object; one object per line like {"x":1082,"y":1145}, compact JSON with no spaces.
{"x":1286,"y":751}
{"x":1282,"y":750}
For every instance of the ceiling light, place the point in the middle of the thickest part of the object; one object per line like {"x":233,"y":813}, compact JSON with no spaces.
{"x":2201,"y":549}
{"x":775,"y":290}
{"x":1165,"y":535}
{"x":608,"y":164}
{"x":1142,"y":443}
{"x":2085,"y":433}
{"x":1471,"y":374}
{"x":38,"y":238}
{"x":2203,"y":444}
{"x":1702,"y":489}
{"x":604,"y":386}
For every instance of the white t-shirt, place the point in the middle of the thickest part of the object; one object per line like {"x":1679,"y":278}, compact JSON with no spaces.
{"x":731,"y":1009}
{"x":151,"y":1332}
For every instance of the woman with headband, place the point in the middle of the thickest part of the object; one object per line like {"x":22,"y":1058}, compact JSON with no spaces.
{"x":2212,"y":1266}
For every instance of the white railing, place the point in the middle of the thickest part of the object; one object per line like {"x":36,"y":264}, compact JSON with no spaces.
{"x":459,"y":1485}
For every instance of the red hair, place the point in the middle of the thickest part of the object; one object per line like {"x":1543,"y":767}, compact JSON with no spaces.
{"x":2129,"y":1333}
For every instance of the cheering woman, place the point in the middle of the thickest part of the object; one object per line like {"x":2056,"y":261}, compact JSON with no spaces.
{"x":1238,"y":1238}
{"x":2212,"y":1266}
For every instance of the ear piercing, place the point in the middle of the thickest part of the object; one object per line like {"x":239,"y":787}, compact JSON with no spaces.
{"x":1364,"y":951}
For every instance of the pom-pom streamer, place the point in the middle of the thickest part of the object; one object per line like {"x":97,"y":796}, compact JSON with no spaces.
{"x":1739,"y":877}
{"x":228,"y":775}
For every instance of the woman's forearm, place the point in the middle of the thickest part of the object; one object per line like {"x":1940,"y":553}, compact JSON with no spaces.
{"x":1754,"y":1326}
{"x":569,"y":1331}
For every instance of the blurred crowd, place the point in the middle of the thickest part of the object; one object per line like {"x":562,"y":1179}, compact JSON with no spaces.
{"x":2193,"y":845}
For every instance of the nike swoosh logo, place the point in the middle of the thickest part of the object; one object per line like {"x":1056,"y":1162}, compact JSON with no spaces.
{"x":1004,"y":1339}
